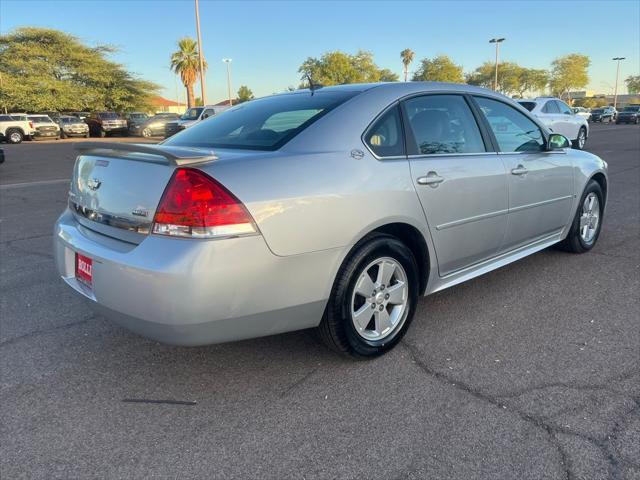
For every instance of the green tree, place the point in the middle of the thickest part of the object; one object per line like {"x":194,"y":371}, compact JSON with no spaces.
{"x":633,"y":84}
{"x":185,"y":62}
{"x":532,"y":80}
{"x":336,"y":68}
{"x":244,"y":94}
{"x":44,"y":69}
{"x":570,"y":72}
{"x":511,"y":77}
{"x":407,"y":55}
{"x":439,"y":69}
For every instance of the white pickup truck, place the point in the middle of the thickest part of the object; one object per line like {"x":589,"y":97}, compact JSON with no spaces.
{"x":15,"y":129}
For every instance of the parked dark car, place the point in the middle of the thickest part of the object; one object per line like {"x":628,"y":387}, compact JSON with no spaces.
{"x":603,"y":114}
{"x":102,"y":124}
{"x":154,"y":126}
{"x":629,"y":114}
{"x":135,"y":118}
{"x":72,"y":127}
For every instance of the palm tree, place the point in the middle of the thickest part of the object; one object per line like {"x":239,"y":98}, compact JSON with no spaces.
{"x":407,"y":56}
{"x":185,"y":63}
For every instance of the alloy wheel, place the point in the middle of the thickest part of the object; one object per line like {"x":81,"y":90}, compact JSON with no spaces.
{"x":379,"y":302}
{"x":590,"y":218}
{"x":15,"y":137}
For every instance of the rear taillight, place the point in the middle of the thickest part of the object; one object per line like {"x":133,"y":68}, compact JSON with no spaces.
{"x":195,"y":205}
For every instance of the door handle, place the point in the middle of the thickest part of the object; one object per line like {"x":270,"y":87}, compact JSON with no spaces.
{"x":431,"y":178}
{"x":519,"y":170}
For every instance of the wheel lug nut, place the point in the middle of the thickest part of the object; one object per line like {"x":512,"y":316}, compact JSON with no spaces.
{"x":382,"y":287}
{"x":386,"y":297}
{"x":373,"y":305}
{"x":381,"y":308}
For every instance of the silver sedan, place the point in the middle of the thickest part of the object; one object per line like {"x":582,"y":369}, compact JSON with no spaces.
{"x":332,"y":208}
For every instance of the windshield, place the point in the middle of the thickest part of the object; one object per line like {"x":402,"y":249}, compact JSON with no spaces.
{"x":71,"y":120}
{"x":192,"y":113}
{"x":264,"y":124}
{"x":599,"y":110}
{"x":634,"y":108}
{"x":43,"y":119}
{"x":137,"y":116}
{"x":528,"y":105}
{"x":109,"y":116}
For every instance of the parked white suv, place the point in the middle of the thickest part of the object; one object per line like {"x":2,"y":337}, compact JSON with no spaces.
{"x":192,"y":116}
{"x":15,"y":128}
{"x":559,"y":118}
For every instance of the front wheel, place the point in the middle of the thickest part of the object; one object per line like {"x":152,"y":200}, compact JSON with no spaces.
{"x":146,"y":133}
{"x":587,"y":222}
{"x":580,"y":142}
{"x":373,"y":299}
{"x":14,"y":136}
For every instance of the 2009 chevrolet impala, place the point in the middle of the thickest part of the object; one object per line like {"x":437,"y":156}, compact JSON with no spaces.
{"x":333,"y":208}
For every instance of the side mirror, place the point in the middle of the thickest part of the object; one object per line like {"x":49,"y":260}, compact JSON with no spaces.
{"x":557,"y":142}
{"x":206,"y":115}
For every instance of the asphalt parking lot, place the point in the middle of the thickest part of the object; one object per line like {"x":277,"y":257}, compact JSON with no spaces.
{"x":529,"y":372}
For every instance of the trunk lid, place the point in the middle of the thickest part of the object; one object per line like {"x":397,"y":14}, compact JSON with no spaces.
{"x":116,"y":188}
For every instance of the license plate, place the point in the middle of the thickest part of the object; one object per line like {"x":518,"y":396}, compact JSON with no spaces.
{"x":84,"y":269}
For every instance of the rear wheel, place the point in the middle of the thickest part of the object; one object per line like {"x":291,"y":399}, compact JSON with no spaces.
{"x":579,"y":142}
{"x":587,"y":223}
{"x":146,"y":133}
{"x":102,"y":133}
{"x":14,"y":136}
{"x":373,"y":299}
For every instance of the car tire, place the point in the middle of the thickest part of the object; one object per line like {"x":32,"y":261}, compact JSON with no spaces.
{"x":62,"y":134}
{"x":146,"y":133}
{"x":87,"y":135}
{"x":102,"y":133}
{"x":340,"y":329}
{"x":576,"y":240}
{"x":581,"y":140}
{"x":14,"y":136}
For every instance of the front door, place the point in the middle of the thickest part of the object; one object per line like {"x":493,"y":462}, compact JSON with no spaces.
{"x":540,"y":181}
{"x":460,"y":182}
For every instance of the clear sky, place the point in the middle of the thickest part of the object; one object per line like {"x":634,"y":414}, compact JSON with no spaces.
{"x":268,"y":40}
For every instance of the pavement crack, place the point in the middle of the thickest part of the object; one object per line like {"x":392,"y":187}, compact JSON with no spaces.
{"x":35,"y":333}
{"x":494,"y":401}
{"x":297,"y":383}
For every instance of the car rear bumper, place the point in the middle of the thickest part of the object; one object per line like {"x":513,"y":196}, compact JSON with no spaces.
{"x":197,"y":292}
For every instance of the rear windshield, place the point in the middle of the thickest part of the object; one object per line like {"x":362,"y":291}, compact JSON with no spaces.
{"x":109,"y":115}
{"x":137,"y":115}
{"x":634,"y":108}
{"x":263,"y":124}
{"x":599,"y":110}
{"x":40,"y":119}
{"x":528,"y":105}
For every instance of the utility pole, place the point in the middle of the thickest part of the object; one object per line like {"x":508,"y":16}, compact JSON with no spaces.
{"x":615,"y":94}
{"x":228,"y":62}
{"x":201,"y":58}
{"x":497,"y":41}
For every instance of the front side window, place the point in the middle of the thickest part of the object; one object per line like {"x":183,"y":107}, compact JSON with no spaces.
{"x":262,"y":124}
{"x":442,"y":124}
{"x":384,"y":138}
{"x":192,"y":113}
{"x":514,"y":131}
{"x":208,"y":113}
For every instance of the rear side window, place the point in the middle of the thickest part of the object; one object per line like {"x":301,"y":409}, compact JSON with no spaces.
{"x":563,"y":108}
{"x":262,"y":124}
{"x":384,"y":138}
{"x":550,"y":107}
{"x":528,"y":105}
{"x":513,"y":130}
{"x":5,"y":118}
{"x":442,"y":124}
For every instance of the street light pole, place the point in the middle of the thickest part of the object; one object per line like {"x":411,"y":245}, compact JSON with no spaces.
{"x":615,"y":90}
{"x":200,"y":57}
{"x":497,"y":41}
{"x":228,"y":62}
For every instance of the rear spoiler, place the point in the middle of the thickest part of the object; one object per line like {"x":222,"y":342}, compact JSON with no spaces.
{"x":174,"y":155}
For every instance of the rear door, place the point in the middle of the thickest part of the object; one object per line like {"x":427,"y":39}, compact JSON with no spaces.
{"x":540,"y":181}
{"x":460,"y":181}
{"x":568,"y":124}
